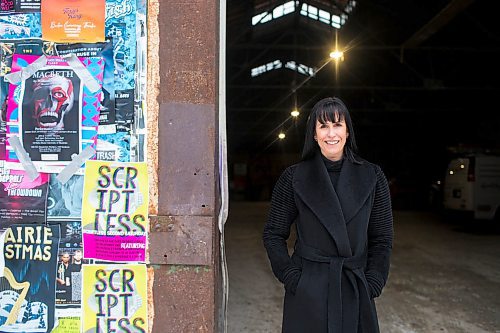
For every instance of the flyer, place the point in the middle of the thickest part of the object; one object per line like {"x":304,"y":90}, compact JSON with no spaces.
{"x":69,"y":278}
{"x":69,"y":271}
{"x":115,"y":298}
{"x":18,"y":26}
{"x":53,"y":112}
{"x":27,"y":297}
{"x":22,"y":200}
{"x":7,"y":7}
{"x":124,"y":104}
{"x":120,"y":24}
{"x":7,"y":50}
{"x":115,"y":211}
{"x":73,"y":21}
{"x":113,"y":147}
{"x":64,"y":200}
{"x":28,"y":6}
{"x":104,"y":50}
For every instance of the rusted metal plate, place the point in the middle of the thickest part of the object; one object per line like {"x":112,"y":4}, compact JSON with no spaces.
{"x":181,"y":240}
{"x":188,"y":51}
{"x":183,"y":299}
{"x":186,"y":159}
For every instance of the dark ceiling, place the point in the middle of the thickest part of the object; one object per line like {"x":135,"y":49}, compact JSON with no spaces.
{"x":418,"y":76}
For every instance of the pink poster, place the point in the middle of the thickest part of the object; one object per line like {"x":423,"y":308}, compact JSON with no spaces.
{"x":53,"y":111}
{"x":22,"y":200}
{"x":121,"y":249}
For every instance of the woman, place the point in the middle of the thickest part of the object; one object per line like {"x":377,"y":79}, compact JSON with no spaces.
{"x":342,"y":211}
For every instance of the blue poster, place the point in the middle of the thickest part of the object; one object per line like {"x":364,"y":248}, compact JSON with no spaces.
{"x":20,"y":26}
{"x":120,"y":24}
{"x":28,"y":289}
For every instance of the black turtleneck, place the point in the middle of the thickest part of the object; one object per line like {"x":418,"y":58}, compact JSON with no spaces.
{"x":333,"y":168}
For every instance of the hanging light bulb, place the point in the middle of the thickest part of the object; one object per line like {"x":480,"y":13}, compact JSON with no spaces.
{"x":281,"y":136}
{"x":337,"y":55}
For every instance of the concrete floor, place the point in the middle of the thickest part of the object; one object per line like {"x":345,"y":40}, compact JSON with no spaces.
{"x":445,"y":277}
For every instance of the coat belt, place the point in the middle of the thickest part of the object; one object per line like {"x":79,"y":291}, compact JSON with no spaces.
{"x":334,"y":305}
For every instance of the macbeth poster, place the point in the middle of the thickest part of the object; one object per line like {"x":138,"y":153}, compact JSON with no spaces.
{"x":52,"y":111}
{"x":27,"y":294}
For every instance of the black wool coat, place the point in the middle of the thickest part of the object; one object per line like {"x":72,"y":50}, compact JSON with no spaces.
{"x":341,"y":256}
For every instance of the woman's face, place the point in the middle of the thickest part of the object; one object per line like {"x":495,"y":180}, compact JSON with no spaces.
{"x":331,"y":138}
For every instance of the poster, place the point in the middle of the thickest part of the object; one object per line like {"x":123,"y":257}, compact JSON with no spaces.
{"x":124,"y":102}
{"x":120,"y":25}
{"x":104,"y":50}
{"x":53,"y":112}
{"x":73,"y":21}
{"x":67,"y":325}
{"x":22,"y":200}
{"x":69,"y":267}
{"x":69,"y":278}
{"x":27,"y":294}
{"x":6,"y":7}
{"x":18,"y":26}
{"x":7,"y":50}
{"x":3,"y":138}
{"x":32,"y":6}
{"x":115,"y":211}
{"x":65,"y":200}
{"x":113,"y":147}
{"x":115,"y":298}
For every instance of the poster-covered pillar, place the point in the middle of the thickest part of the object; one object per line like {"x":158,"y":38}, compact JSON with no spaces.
{"x":184,"y":273}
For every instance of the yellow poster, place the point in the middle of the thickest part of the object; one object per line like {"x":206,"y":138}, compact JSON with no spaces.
{"x":115,"y":211}
{"x":71,"y":21}
{"x":114,"y":298}
{"x":67,"y":325}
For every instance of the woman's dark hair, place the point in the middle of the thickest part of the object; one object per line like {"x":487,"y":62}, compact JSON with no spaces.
{"x":329,"y":109}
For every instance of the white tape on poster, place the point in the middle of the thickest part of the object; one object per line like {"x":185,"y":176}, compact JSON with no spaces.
{"x":76,"y":163}
{"x":27,"y":71}
{"x":83,"y":73}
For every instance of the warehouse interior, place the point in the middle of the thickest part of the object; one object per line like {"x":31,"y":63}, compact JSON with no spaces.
{"x":420,"y":81}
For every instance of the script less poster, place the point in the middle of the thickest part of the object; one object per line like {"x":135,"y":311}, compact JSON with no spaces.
{"x":73,"y":20}
{"x":114,"y":298}
{"x":115,"y":211}
{"x":27,"y":294}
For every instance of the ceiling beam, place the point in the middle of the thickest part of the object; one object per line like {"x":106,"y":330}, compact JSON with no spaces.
{"x":451,"y":10}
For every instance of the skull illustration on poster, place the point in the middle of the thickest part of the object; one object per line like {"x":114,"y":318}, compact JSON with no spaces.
{"x":53,"y":98}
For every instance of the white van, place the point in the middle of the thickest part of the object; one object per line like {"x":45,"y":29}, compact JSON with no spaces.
{"x":472,"y":185}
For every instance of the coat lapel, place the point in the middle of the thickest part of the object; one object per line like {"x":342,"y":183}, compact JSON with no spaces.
{"x":334,"y":209}
{"x":313,"y":185}
{"x":356,"y":183}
